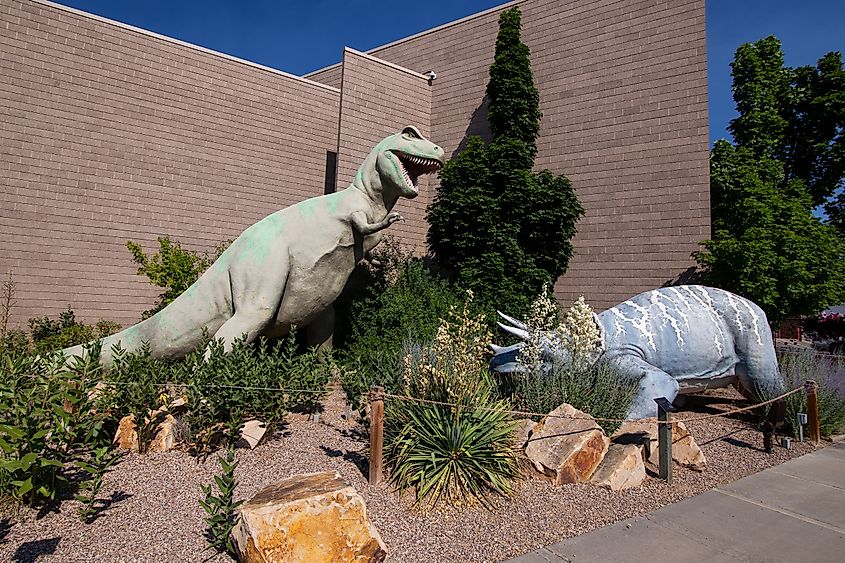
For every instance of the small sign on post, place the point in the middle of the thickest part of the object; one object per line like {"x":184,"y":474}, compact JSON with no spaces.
{"x":811,"y":388}
{"x":376,"y":433}
{"x":664,"y":438}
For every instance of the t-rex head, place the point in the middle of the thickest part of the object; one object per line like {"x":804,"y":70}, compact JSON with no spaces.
{"x":395,"y":164}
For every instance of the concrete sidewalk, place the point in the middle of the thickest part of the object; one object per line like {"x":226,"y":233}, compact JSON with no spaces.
{"x":791,"y":512}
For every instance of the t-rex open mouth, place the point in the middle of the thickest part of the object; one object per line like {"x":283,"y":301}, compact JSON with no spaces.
{"x":413,"y":167}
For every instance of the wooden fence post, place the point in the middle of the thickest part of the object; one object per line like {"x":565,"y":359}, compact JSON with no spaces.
{"x":376,"y":433}
{"x":664,"y":438}
{"x":811,"y":388}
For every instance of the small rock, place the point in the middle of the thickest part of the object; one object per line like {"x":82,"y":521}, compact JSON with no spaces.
{"x":126,"y":437}
{"x":251,"y":434}
{"x":621,"y":468}
{"x":312,"y":517}
{"x":567,"y":449}
{"x":168,"y":434}
{"x":685,"y":451}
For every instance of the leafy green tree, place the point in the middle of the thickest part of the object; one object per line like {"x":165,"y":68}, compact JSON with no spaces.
{"x":500,"y":228}
{"x":173,"y":268}
{"x":768,"y":244}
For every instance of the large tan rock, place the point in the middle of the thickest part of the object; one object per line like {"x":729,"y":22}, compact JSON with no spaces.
{"x":305,"y":518}
{"x":568,"y":450}
{"x":685,"y":451}
{"x":621,"y":468}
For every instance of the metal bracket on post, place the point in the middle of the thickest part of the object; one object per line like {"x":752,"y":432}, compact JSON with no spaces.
{"x":801,"y":419}
{"x":664,"y":438}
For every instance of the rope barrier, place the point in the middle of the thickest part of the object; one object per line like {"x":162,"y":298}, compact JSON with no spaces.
{"x":185,"y":385}
{"x":599,"y":419}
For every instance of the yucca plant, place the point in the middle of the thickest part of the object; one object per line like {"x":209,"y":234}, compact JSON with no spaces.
{"x":452,"y":454}
{"x":458,"y":452}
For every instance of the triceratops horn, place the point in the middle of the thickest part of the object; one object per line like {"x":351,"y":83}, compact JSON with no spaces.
{"x":518,"y":332}
{"x":513,"y":321}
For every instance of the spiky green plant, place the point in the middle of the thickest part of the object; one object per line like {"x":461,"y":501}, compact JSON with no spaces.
{"x":457,"y":452}
{"x":452,"y":454}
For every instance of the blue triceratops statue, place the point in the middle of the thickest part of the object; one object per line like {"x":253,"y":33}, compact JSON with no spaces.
{"x":673,"y":340}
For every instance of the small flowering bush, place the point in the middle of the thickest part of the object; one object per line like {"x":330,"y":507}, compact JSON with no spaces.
{"x":826,"y":330}
{"x":459,"y":451}
{"x":560,"y":365}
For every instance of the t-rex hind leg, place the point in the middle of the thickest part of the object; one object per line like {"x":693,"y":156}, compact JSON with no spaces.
{"x":654,"y":384}
{"x":255,"y":297}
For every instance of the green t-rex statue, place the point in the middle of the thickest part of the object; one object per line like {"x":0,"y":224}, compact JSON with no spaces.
{"x":288,"y":268}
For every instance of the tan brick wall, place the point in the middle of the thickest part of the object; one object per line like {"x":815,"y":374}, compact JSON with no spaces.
{"x":111,"y":134}
{"x":331,"y":76}
{"x":377,"y":100}
{"x":623,"y":88}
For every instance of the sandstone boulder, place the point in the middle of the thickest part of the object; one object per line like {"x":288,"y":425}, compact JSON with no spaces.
{"x":621,"y":468}
{"x":523,"y":432}
{"x":568,"y":450}
{"x":168,"y":434}
{"x":312,"y":517}
{"x":126,"y":437}
{"x":685,"y":451}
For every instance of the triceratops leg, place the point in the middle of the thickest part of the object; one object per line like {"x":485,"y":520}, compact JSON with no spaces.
{"x":654,"y":383}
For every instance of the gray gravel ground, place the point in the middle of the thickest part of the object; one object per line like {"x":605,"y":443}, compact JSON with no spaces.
{"x":155,"y":516}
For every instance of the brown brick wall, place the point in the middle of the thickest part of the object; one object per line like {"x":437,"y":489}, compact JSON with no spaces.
{"x":623,"y":88}
{"x":110,"y":134}
{"x":331,"y":76}
{"x":377,"y":100}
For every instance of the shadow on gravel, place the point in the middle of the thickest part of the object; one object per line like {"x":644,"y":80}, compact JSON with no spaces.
{"x":103,"y":505}
{"x":30,"y":551}
{"x":5,"y":527}
{"x":355,"y":458}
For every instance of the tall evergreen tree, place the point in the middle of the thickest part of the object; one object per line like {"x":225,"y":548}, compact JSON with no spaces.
{"x":502,"y":229}
{"x":768,"y":244}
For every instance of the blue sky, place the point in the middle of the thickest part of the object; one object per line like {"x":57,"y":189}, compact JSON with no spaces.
{"x":297,"y":36}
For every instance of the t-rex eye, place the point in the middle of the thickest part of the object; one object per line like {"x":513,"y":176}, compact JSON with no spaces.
{"x":411,"y":132}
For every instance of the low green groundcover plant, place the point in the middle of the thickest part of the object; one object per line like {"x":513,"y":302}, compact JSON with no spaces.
{"x":261,"y":380}
{"x":457,"y":452}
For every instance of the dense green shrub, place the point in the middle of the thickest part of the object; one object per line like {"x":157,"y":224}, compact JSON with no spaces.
{"x":49,"y":334}
{"x":54,"y":418}
{"x":451,"y":453}
{"x":173,"y":268}
{"x":401,"y":299}
{"x":798,"y":366}
{"x":598,"y":390}
{"x":223,"y":390}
